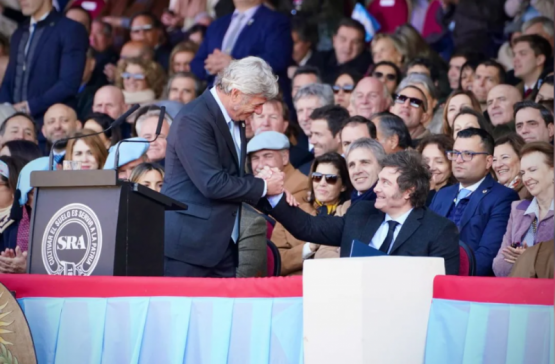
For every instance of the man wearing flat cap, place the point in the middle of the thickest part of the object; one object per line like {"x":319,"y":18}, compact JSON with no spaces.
{"x":271,"y":149}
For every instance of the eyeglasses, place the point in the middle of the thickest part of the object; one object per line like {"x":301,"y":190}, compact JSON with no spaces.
{"x":143,"y":28}
{"x":135,"y":76}
{"x":413,"y":101}
{"x":331,"y":179}
{"x":345,"y":88}
{"x":388,"y":76}
{"x":467,"y":156}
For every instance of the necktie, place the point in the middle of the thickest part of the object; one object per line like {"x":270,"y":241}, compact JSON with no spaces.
{"x":463,"y":193}
{"x":234,"y":33}
{"x":527,"y":92}
{"x":389,"y":238}
{"x":23,"y":231}
{"x":31,"y":35}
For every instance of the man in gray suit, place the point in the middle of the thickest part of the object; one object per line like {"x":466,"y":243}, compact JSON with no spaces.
{"x":205,"y":164}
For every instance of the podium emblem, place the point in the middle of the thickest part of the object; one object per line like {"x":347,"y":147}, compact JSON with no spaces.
{"x":72,"y":241}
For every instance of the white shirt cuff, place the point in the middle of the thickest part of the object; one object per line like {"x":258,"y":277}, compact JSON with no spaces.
{"x":307,"y":252}
{"x":274,"y":200}
{"x":265,"y":189}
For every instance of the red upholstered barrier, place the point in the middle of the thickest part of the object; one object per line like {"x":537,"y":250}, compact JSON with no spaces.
{"x":36,"y":285}
{"x":495,"y":290}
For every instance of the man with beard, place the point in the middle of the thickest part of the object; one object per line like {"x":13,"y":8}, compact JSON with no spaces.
{"x":60,"y":122}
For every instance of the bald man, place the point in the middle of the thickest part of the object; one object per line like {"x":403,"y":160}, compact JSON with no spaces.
{"x":500,"y":102}
{"x":370,"y":97}
{"x":109,"y":100}
{"x":60,"y":122}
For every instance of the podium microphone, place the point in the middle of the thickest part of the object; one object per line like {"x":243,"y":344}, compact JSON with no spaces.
{"x":158,"y":130}
{"x":115,"y":124}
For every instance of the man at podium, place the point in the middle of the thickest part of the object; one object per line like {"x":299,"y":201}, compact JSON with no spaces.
{"x":205,"y":164}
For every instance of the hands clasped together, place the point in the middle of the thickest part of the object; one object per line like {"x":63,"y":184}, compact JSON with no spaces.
{"x":275,"y":184}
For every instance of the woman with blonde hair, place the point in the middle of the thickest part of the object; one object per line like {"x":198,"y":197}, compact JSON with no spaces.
{"x":387,"y":47}
{"x":141,"y":81}
{"x":181,"y":57}
{"x":90,"y":150}
{"x":150,"y":175}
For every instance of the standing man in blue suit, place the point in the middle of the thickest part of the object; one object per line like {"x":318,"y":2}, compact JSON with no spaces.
{"x":478,"y":205}
{"x":252,"y":30}
{"x":46,"y":62}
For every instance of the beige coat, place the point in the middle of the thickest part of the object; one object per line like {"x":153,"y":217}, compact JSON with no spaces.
{"x":296,"y":183}
{"x":327,"y":251}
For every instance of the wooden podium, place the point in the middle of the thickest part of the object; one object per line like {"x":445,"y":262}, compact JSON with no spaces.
{"x":90,"y":223}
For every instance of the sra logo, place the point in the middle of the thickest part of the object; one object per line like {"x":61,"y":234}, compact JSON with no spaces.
{"x":72,"y":241}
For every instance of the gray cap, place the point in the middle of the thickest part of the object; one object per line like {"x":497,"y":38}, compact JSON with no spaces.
{"x":268,"y":140}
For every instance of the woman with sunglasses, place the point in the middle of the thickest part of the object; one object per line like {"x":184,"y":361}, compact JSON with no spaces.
{"x":329,"y":186}
{"x":470,"y":118}
{"x":343,"y":88}
{"x":389,"y":74}
{"x":141,"y":81}
{"x":530,"y":222}
{"x":454,"y":104}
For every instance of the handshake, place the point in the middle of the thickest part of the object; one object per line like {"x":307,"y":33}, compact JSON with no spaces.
{"x":274,"y":180}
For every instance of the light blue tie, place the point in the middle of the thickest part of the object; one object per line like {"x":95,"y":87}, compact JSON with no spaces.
{"x":463,"y":193}
{"x":234,"y":33}
{"x":235,"y":232}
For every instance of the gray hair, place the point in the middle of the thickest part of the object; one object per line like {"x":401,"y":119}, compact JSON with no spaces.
{"x":250,"y":75}
{"x":322,"y":91}
{"x":371,"y":144}
{"x":190,"y":75}
{"x":152,"y":113}
{"x":546,"y":23}
{"x":419,"y":79}
{"x":393,"y":125}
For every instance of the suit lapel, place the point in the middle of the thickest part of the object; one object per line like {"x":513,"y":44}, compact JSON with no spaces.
{"x":246,"y":35}
{"x":374,"y":221}
{"x":226,"y":21}
{"x":48,"y":26}
{"x":475,"y":199}
{"x":452,"y":193}
{"x":212,"y":104}
{"x":409,"y":227}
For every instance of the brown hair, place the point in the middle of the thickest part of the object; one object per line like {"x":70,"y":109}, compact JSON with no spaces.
{"x":513,"y":139}
{"x":541,"y":147}
{"x":447,"y":129}
{"x":155,"y":76}
{"x":444,"y":143}
{"x":183,"y":47}
{"x":94,"y":142}
{"x":339,"y":163}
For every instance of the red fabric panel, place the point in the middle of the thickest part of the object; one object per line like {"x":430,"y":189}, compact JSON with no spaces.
{"x":37,"y":285}
{"x":464,"y":264}
{"x":495,"y":290}
{"x":431,"y":26}
{"x":390,"y":17}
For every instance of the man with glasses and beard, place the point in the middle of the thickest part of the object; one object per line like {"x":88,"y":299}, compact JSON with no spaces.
{"x":396,"y":223}
{"x":478,"y":205}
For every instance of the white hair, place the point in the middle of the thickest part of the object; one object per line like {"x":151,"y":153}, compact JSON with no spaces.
{"x":419,"y":79}
{"x":322,"y":91}
{"x":546,"y":23}
{"x":149,"y":114}
{"x":371,"y":144}
{"x":250,"y":75}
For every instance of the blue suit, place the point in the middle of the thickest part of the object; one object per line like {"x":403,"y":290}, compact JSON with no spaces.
{"x":267,"y":35}
{"x":55,"y":66}
{"x":484,"y":220}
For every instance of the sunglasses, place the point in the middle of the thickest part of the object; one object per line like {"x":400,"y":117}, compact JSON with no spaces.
{"x":346,"y":88}
{"x":141,"y":28}
{"x":135,"y":76}
{"x":388,"y":76}
{"x":413,"y":101}
{"x":331,"y":179}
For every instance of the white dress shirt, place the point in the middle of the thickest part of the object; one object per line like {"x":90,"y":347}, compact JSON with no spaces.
{"x":381,"y":233}
{"x":235,"y":22}
{"x":534,"y":210}
{"x":473,"y":187}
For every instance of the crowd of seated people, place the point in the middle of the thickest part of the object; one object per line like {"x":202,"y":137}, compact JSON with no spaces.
{"x":472,"y":115}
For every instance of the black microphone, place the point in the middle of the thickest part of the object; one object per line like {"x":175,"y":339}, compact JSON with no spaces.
{"x":115,"y":124}
{"x":158,"y":130}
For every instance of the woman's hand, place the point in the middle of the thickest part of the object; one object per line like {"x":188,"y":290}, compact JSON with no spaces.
{"x":511,"y":254}
{"x":13,"y":261}
{"x":291,"y":200}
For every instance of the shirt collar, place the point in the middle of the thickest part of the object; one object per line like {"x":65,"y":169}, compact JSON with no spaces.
{"x":248,"y":13}
{"x":401,"y":219}
{"x":33,"y":21}
{"x":531,"y":87}
{"x":222,"y":108}
{"x":474,"y":187}
{"x":533,"y":208}
{"x":306,"y":58}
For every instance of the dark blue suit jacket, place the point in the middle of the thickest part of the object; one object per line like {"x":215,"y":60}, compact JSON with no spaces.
{"x":203,"y":171}
{"x":267,"y":35}
{"x":484,"y":220}
{"x":56,"y":68}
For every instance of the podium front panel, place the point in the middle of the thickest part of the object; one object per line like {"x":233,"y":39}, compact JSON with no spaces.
{"x":74,"y":231}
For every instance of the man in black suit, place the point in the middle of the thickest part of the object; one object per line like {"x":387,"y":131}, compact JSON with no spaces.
{"x":397,"y":223}
{"x":205,"y":160}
